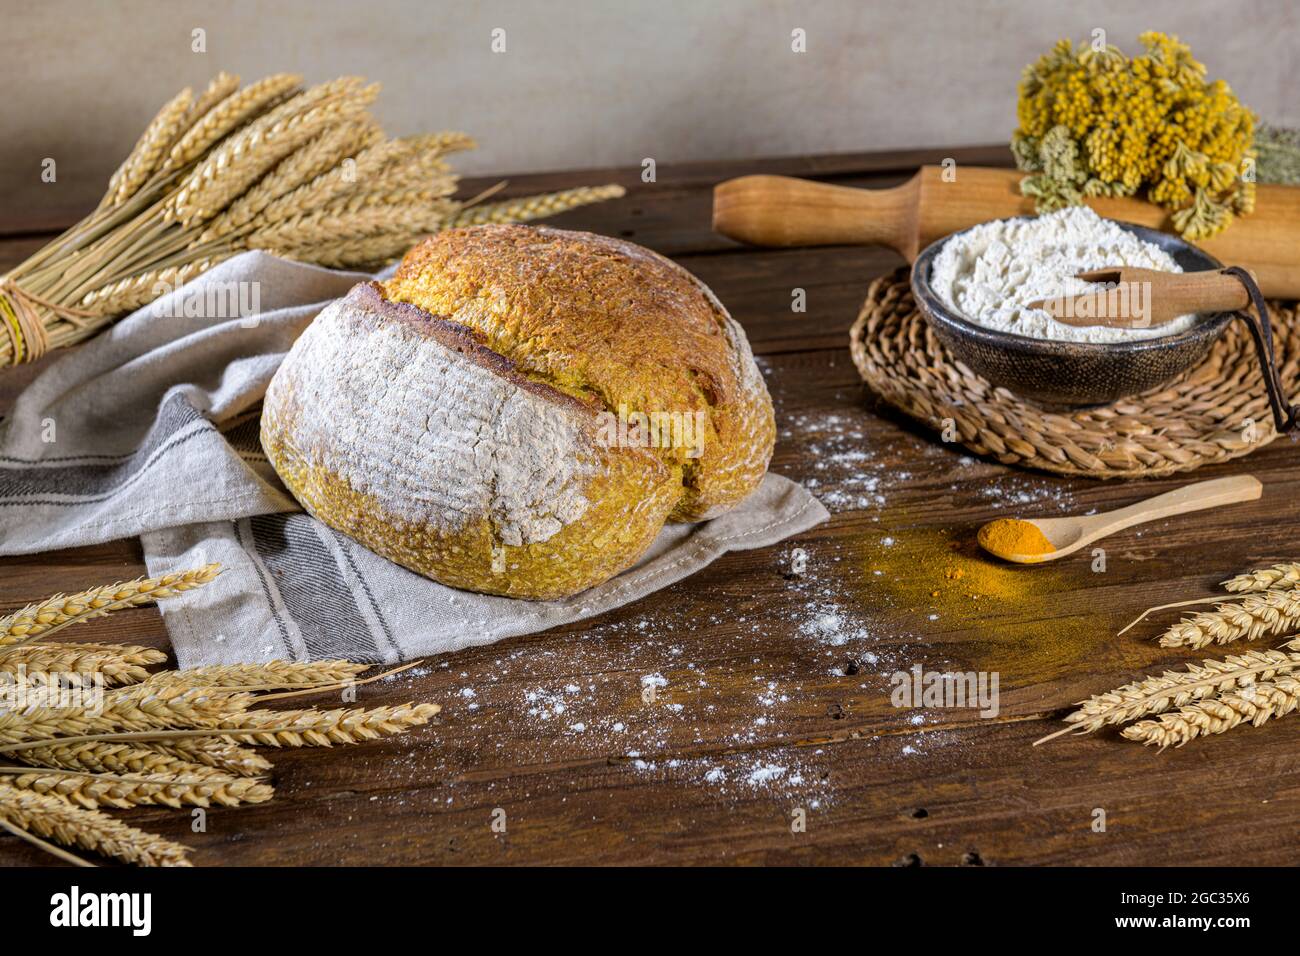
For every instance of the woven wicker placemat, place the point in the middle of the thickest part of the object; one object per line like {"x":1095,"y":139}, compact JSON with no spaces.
{"x":1215,"y":412}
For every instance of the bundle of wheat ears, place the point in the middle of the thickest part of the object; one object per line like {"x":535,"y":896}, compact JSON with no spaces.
{"x":101,"y":730}
{"x":305,"y":174}
{"x":1216,"y":695}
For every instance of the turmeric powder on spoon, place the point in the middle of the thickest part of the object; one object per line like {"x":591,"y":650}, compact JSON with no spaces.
{"x":1013,"y":536}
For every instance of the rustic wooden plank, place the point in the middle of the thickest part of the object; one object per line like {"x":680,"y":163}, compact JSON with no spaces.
{"x":739,"y":626}
{"x":776,"y":692}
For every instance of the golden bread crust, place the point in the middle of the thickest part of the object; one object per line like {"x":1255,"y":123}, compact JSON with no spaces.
{"x":453,"y":419}
{"x":607,"y":319}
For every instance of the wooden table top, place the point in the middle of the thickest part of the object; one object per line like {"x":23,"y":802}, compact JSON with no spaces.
{"x":772,"y":690}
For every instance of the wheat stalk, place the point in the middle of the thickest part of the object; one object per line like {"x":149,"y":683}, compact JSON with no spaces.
{"x":306,"y":232}
{"x":46,"y":617}
{"x":219,"y":87}
{"x":235,"y":153}
{"x":199,"y":790}
{"x":215,"y":752}
{"x":227,"y":115}
{"x":1154,"y":695}
{"x":240,"y":161}
{"x":1286,"y":575}
{"x":55,"y":817}
{"x":534,"y":207}
{"x":136,"y":708}
{"x":323,"y":728}
{"x":135,"y":291}
{"x":354,"y":253}
{"x":1256,"y":615}
{"x":149,"y":151}
{"x":124,"y":664}
{"x":326,"y":187}
{"x":296,"y":173}
{"x":1253,"y":704}
{"x":125,"y":758}
{"x":273,"y":674}
{"x":171,"y":739}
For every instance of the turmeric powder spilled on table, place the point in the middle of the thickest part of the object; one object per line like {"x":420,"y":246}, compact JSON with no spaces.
{"x":1008,"y":536}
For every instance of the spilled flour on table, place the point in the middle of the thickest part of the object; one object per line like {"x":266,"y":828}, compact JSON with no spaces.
{"x":663,"y":694}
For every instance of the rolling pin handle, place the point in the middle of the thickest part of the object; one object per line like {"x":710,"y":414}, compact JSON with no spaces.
{"x":783,"y":211}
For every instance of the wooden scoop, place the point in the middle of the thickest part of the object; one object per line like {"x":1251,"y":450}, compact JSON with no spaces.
{"x":936,"y":202}
{"x":1067,"y":535}
{"x":1146,"y":298}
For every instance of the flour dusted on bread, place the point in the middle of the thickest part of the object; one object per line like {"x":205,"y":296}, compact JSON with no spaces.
{"x":456,"y":418}
{"x":991,"y":273}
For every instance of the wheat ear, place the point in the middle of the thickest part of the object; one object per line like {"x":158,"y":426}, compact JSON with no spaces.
{"x":215,"y":752}
{"x":323,"y":728}
{"x":433,"y":195}
{"x":129,"y":294}
{"x":329,"y":185}
{"x":56,"y":818}
{"x":295,"y":173}
{"x":126,"y":664}
{"x":168,"y":790}
{"x":306,"y":232}
{"x":219,"y":87}
{"x":418,"y":172}
{"x":1253,"y":704}
{"x":1256,"y":615}
{"x":147,"y":155}
{"x":534,"y":207}
{"x":1286,"y":575}
{"x":242,"y":159}
{"x":430,"y":146}
{"x":274,"y":674}
{"x":135,"y":708}
{"x":46,"y":617}
{"x":352,"y":253}
{"x":123,"y":758}
{"x":1155,"y":695}
{"x":226,"y":115}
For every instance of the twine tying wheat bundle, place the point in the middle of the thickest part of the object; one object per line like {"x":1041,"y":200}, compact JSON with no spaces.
{"x":302,"y":173}
{"x":168,"y":738}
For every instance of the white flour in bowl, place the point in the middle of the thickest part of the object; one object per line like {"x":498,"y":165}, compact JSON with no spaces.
{"x":991,"y":273}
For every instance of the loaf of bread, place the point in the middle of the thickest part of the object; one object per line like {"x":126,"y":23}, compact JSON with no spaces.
{"x":519,"y":410}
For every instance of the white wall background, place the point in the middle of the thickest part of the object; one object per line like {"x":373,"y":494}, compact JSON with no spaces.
{"x":589,"y":83}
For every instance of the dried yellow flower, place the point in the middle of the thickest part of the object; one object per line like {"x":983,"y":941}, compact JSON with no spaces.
{"x":1093,"y":122}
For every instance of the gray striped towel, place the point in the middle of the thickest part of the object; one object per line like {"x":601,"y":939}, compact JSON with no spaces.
{"x":151,"y":430}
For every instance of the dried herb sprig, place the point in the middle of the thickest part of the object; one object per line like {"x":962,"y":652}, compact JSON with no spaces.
{"x":1279,"y":155}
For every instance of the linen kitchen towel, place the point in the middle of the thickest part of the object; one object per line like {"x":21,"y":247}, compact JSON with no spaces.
{"x":151,"y":429}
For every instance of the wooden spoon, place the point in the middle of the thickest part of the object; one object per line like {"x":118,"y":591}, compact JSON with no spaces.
{"x":1067,"y":535}
{"x":1146,"y":298}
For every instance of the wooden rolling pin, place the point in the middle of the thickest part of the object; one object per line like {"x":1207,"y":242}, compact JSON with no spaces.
{"x":781,"y":211}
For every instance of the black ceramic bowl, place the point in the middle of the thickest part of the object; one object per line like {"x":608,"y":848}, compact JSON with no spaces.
{"x":1072,"y":373}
